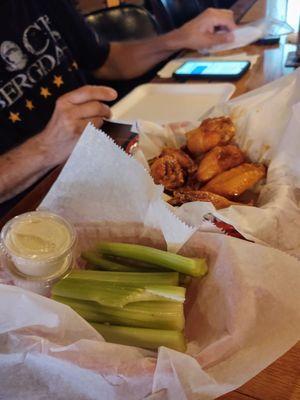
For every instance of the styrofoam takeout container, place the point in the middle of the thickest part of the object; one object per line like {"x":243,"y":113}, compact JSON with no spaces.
{"x":168,"y":102}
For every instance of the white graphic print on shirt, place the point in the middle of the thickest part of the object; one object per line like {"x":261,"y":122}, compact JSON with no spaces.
{"x":39,"y":42}
{"x":13,"y":56}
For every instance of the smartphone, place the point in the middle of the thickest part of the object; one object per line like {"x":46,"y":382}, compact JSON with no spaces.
{"x":213,"y":70}
{"x":268,"y":40}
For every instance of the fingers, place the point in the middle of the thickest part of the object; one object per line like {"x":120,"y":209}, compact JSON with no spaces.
{"x":213,"y":39}
{"x":81,"y":124}
{"x":97,"y":122}
{"x":220,"y":17}
{"x":227,"y":23}
{"x":90,"y":93}
{"x":90,"y":110}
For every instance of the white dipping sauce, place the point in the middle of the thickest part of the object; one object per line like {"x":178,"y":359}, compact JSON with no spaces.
{"x":39,"y":243}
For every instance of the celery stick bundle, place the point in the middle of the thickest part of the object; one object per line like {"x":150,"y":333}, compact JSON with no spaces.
{"x":132,"y":295}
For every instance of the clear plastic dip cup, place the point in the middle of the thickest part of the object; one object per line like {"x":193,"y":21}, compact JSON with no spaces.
{"x":39,"y":246}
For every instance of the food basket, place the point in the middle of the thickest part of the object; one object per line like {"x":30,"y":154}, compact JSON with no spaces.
{"x":267,"y":130}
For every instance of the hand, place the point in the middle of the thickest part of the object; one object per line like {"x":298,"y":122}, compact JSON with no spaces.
{"x":72,"y":112}
{"x":199,"y":33}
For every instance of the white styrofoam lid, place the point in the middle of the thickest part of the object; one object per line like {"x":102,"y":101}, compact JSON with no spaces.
{"x":169,"y":102}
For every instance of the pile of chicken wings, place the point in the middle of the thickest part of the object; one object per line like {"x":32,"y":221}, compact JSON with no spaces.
{"x":209,"y":168}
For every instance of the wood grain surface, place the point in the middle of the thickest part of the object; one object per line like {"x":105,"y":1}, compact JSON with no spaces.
{"x":281,"y":380}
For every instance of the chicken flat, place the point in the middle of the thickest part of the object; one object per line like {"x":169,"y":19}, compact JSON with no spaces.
{"x":237,"y":180}
{"x":167,"y":171}
{"x":212,"y":132}
{"x":181,"y":197}
{"x":217,"y":160}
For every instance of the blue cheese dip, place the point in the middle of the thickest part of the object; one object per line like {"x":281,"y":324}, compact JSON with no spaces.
{"x":39,"y":243}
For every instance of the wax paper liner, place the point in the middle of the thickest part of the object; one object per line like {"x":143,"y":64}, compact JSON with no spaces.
{"x":100,"y":182}
{"x":251,"y":32}
{"x":240,"y":318}
{"x":268,"y":130}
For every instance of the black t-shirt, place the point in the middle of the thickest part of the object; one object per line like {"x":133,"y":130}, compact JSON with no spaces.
{"x":45,"y":46}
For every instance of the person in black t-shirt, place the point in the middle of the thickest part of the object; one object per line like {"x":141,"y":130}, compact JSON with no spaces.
{"x":45,"y":46}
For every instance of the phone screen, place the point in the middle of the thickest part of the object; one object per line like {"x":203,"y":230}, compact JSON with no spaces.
{"x":212,"y":68}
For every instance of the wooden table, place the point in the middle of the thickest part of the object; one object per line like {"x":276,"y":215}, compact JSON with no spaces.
{"x":281,"y":380}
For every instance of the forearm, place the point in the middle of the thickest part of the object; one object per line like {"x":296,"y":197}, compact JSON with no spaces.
{"x":22,"y":166}
{"x":131,"y":59}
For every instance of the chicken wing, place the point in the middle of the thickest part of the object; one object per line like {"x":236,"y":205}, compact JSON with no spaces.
{"x":212,"y":132}
{"x":181,"y":197}
{"x":237,"y":180}
{"x":184,"y":159}
{"x":218,"y":160}
{"x":167,"y":171}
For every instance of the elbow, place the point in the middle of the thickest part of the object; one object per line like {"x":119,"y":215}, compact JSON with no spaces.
{"x":129,"y":74}
{"x":125,"y":70}
{"x":117,"y":73}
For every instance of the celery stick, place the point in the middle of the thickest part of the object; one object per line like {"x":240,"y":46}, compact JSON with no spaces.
{"x":141,"y":266}
{"x":86,"y":309}
{"x":140,"y":337}
{"x":189,"y":266}
{"x":172,"y":293}
{"x":113,"y":294}
{"x":128,"y":278}
{"x":98,"y":261}
{"x":158,"y":315}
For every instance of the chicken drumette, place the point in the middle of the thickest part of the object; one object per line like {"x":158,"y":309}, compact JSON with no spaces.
{"x":167,"y":171}
{"x":184,"y":159}
{"x":212,"y":132}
